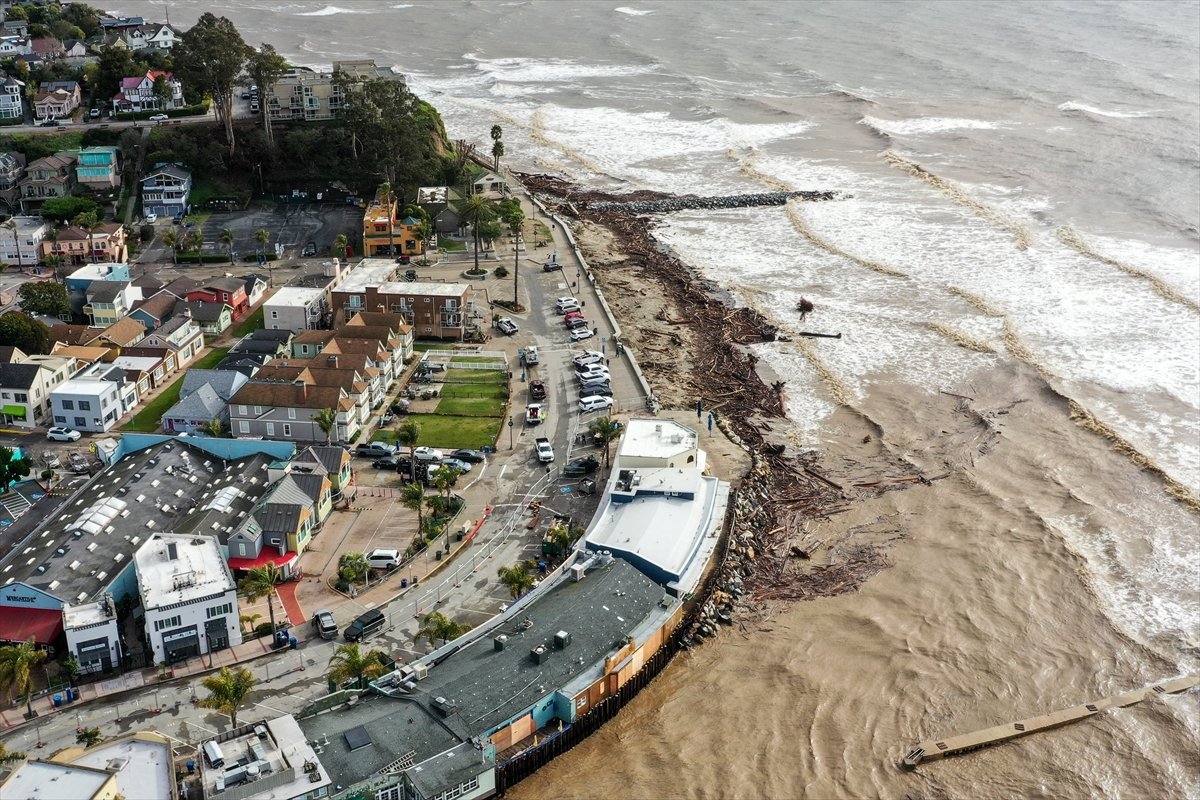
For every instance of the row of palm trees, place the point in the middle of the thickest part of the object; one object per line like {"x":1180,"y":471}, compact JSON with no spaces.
{"x":192,"y":239}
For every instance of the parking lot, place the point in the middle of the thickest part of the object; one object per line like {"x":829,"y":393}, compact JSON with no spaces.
{"x":292,"y":225}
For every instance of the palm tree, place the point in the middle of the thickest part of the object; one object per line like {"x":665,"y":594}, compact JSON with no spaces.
{"x":227,"y":690}
{"x":90,"y":222}
{"x":11,"y":227}
{"x":515,"y":218}
{"x":194,"y":240}
{"x":172,"y":240}
{"x":326,"y":420}
{"x":353,"y":566}
{"x":349,"y":662}
{"x":606,"y":430}
{"x":16,"y":664}
{"x":226,"y":239}
{"x":263,"y":236}
{"x":408,"y":435}
{"x":412,"y":497}
{"x":438,"y":626}
{"x":385,"y":192}
{"x":89,"y":737}
{"x":260,"y":582}
{"x":7,"y":756}
{"x":517,"y":578}
{"x":248,"y":621}
{"x":214,"y":427}
{"x":476,"y":211}
{"x":340,"y":243}
{"x":54,"y":262}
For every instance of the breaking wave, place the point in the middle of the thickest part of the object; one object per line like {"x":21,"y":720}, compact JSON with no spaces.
{"x":976,"y":301}
{"x":1071,"y":105}
{"x":802,"y":228}
{"x":632,"y":12}
{"x":959,"y":196}
{"x":961,"y":339}
{"x":1070,"y":237}
{"x":924,"y":125}
{"x":327,"y":11}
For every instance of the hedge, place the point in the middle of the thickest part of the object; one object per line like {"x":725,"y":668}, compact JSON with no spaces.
{"x":12,"y":121}
{"x":186,"y":111}
{"x":253,"y":258}
{"x":203,"y":258}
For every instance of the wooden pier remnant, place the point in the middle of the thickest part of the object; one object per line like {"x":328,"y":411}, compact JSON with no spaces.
{"x":954,"y":745}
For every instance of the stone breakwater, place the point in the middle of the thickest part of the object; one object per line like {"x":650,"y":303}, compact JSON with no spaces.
{"x":659,"y":206}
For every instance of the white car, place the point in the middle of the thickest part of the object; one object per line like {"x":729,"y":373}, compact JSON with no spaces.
{"x":594,"y":403}
{"x":579,"y":334}
{"x":158,"y":118}
{"x":63,"y":435}
{"x":588,"y":357}
{"x":427,"y":454}
{"x":592,"y":371}
{"x":150,"y":219}
{"x":565,"y":305}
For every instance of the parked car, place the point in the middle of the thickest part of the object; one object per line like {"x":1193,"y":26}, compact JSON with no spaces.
{"x":454,"y":463}
{"x":551,"y":267}
{"x":158,"y":118}
{"x":595,"y":403}
{"x":367,"y":625}
{"x":432,"y":366}
{"x":578,"y":324}
{"x":94,"y":113}
{"x":588,"y":357}
{"x":593,"y":371}
{"x":387,"y":462}
{"x":537,"y":390}
{"x":581,"y":466}
{"x":506,"y":326}
{"x":470,"y":456}
{"x":49,"y":123}
{"x":377,"y":449}
{"x":566,"y":304}
{"x":150,"y":219}
{"x":63,"y":435}
{"x":579,"y":334}
{"x":427,"y":454}
{"x":324,"y":624}
{"x":310,"y":249}
{"x":570,"y":315}
{"x":601,"y":389}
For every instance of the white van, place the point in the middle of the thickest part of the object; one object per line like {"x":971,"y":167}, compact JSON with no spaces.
{"x":383,"y":559}
{"x":212,"y":752}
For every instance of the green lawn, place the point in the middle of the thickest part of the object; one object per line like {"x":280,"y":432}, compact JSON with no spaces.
{"x":450,"y":245}
{"x":476,"y":376}
{"x":148,"y":419}
{"x":450,"y":432}
{"x":474,"y":360}
{"x":471,"y":406}
{"x":476,"y":391}
{"x":250,"y":323}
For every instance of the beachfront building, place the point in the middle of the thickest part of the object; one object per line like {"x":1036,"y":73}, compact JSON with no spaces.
{"x":440,"y":202}
{"x":386,"y":234}
{"x":432,"y":310}
{"x":480,"y":713}
{"x":188,"y":595}
{"x":98,"y":167}
{"x":306,"y":94}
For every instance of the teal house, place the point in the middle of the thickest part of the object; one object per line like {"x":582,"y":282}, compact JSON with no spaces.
{"x":99,"y":167}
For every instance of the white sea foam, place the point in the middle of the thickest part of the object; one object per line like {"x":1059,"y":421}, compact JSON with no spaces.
{"x":633,"y":12}
{"x":928,"y":125}
{"x":403,"y":5}
{"x":758,"y":135}
{"x":1071,"y":105}
{"x":329,"y":11}
{"x":551,"y":70}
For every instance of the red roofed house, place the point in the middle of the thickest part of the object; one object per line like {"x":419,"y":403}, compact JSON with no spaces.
{"x":137,"y":93}
{"x":230,"y":291}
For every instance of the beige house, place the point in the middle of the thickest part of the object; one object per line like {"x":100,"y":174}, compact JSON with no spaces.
{"x":303,"y":93}
{"x":25,"y":385}
{"x":56,"y":101}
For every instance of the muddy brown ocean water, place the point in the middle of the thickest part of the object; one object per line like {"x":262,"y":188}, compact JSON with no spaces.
{"x":984,"y":617}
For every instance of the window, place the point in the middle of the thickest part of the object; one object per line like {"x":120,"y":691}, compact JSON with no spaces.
{"x":356,"y":301}
{"x":85,"y":405}
{"x":68,"y":405}
{"x":21,"y":397}
{"x":270,"y":429}
{"x":169,"y":622}
{"x":220,"y":611}
{"x":287,"y":430}
{"x":59,"y":419}
{"x":80,"y":422}
{"x":258,"y":411}
{"x":274,"y":315}
{"x":243,"y":426}
{"x":291,"y":413}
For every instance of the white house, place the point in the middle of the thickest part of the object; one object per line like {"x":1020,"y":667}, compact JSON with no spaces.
{"x":93,"y":634}
{"x":25,"y":386}
{"x":15,"y":46}
{"x":11,"y":93}
{"x":188,"y":595}
{"x":295,"y":308}
{"x":155,"y":35}
{"x":137,"y":93}
{"x":94,"y":399}
{"x":23,"y":246}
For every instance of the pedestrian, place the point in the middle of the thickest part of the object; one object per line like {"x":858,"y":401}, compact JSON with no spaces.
{"x":607,"y":363}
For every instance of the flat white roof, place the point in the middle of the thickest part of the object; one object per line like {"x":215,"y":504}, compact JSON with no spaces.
{"x":367,"y":272}
{"x":87,"y":614}
{"x":143,"y":768}
{"x":655,"y":438}
{"x":426,"y":288}
{"x":30,"y":224}
{"x":98,"y":270}
{"x":42,"y":779}
{"x":140,"y":363}
{"x":294,"y":296}
{"x":285,"y":749}
{"x":198,"y":569}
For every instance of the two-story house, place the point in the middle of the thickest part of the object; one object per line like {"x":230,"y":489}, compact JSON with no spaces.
{"x":386,"y":328}
{"x":256,"y":288}
{"x":47,"y":48}
{"x":331,"y":460}
{"x":46,"y":178}
{"x":296,"y":308}
{"x":181,"y":337}
{"x":227,"y":291}
{"x":282,"y":522}
{"x":25,"y":385}
{"x":385,"y":234}
{"x":13,"y":46}
{"x":12,"y":95}
{"x":155,"y":310}
{"x":74,"y":48}
{"x":324,"y":371}
{"x":75,"y":245}
{"x":213,"y":318}
{"x":165,"y":190}
{"x":56,"y":99}
{"x":440,"y":203}
{"x":22,"y":246}
{"x":137,"y":93}
{"x":12,"y":169}
{"x":203,"y":397}
{"x":290,"y":411}
{"x":94,"y":399}
{"x":309,"y":344}
{"x":99,"y":167}
{"x":154,"y":35}
{"x":107,"y":302}
{"x":125,"y":332}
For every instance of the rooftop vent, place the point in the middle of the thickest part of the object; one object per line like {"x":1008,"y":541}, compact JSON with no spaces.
{"x":561,"y":640}
{"x":539,"y":654}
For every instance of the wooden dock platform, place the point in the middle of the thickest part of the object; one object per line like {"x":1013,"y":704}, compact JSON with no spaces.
{"x":954,"y":745}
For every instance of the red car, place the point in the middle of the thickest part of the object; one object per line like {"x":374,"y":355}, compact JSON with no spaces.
{"x":537,"y":390}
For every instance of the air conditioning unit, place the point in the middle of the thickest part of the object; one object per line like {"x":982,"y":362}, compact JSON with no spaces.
{"x":420,"y":671}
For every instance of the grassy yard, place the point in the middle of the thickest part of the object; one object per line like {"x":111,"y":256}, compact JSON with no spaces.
{"x":472,"y":360}
{"x":250,"y":323}
{"x":148,"y":419}
{"x":450,"y":245}
{"x":476,"y":376}
{"x":451,"y":432}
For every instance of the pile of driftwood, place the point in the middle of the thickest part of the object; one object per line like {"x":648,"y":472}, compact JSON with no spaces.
{"x":769,"y":557}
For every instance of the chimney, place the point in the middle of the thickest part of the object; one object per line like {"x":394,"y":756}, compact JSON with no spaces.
{"x":303,"y":390}
{"x":333,"y":362}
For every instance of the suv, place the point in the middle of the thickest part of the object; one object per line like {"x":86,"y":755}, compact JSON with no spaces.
{"x":310,"y":249}
{"x":565,"y":304}
{"x":367,"y":625}
{"x":537,"y":390}
{"x":375,"y":449}
{"x":63,"y":435}
{"x":581,"y":466}
{"x":595,"y":403}
{"x":324,"y":624}
{"x":588,"y":357}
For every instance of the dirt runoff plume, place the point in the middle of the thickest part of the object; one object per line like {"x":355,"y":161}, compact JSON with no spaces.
{"x":1070,"y":237}
{"x":977,"y":301}
{"x":1088,"y":421}
{"x":961,"y":339}
{"x":808,"y":233}
{"x":748,"y":167}
{"x":838,"y":391}
{"x":961,"y":197}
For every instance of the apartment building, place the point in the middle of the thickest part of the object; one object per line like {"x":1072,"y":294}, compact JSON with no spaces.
{"x":305,"y":94}
{"x":430,"y":309}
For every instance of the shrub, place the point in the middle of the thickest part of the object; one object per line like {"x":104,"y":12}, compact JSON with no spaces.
{"x":253,"y":258}
{"x":263,"y":630}
{"x":186,"y":111}
{"x":501,"y":272}
{"x":342,"y":585}
{"x":146,"y":233}
{"x":203,"y":258}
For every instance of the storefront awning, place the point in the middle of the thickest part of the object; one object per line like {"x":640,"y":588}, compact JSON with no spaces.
{"x":264,"y":558}
{"x":41,"y":624}
{"x":15,"y":411}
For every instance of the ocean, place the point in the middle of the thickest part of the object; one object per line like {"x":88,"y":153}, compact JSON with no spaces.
{"x":1018,"y":223}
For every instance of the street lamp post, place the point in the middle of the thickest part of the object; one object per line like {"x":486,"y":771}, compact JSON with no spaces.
{"x":510,"y":433}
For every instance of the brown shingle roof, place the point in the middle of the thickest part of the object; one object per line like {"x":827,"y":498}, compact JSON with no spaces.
{"x":366,"y":347}
{"x":314,"y":337}
{"x":74,"y":334}
{"x":395,"y":322}
{"x":160,"y":306}
{"x":378,"y":333}
{"x":289,"y":395}
{"x":125,"y":332}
